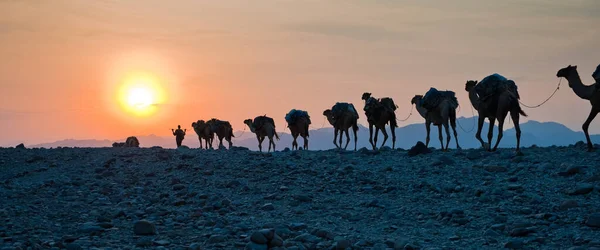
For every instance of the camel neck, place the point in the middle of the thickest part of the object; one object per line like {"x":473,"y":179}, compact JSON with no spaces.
{"x":474,"y":99}
{"x":422,"y":111}
{"x":252,"y":128}
{"x":583,"y":91}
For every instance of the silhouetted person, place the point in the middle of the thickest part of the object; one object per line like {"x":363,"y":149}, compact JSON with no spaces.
{"x":179,"y":135}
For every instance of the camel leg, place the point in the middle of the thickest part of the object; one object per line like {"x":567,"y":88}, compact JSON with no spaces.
{"x":335,"y":133}
{"x":371,"y":136}
{"x":441,"y":136}
{"x":305,"y":142}
{"x":515,"y":117}
{"x":447,"y":127}
{"x":480,"y":121}
{"x":200,"y":139}
{"x":260,"y":141}
{"x":586,"y":125}
{"x":230,"y":143}
{"x":491,"y":133}
{"x":375,"y":137}
{"x":294,"y":143}
{"x":453,"y":125}
{"x":341,"y":135}
{"x":393,"y":130}
{"x":347,"y":138}
{"x":355,"y":138}
{"x":500,"y":131}
{"x":385,"y":136}
{"x":271,"y":142}
{"x":428,"y":128}
{"x":220,"y":142}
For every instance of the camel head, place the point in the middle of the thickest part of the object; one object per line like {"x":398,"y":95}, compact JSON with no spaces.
{"x":371,"y":103}
{"x":194,"y":124}
{"x":327,"y":113}
{"x":416,"y":99}
{"x":596,"y":74}
{"x":564,"y":72}
{"x":366,"y":96}
{"x":248,"y":122}
{"x":470,"y":85}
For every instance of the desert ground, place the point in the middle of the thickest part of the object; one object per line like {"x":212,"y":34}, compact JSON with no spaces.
{"x":137,"y":198}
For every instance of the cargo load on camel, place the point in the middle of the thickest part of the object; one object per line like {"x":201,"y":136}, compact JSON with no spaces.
{"x":260,"y":121}
{"x":434,"y":97}
{"x":495,"y":84}
{"x":341,"y":107}
{"x":295,"y":114}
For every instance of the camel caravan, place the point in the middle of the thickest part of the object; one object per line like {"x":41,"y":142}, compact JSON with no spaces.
{"x":494,"y":97}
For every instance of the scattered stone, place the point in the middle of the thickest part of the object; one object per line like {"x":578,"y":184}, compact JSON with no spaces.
{"x":593,"y":220}
{"x":418,"y":149}
{"x":568,"y":204}
{"x":268,"y":207}
{"x":581,"y":189}
{"x":144,"y":227}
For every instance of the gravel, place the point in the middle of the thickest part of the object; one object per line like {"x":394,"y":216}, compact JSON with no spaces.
{"x":135,"y":198}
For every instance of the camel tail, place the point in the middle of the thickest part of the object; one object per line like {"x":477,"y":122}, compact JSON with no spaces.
{"x":276,"y":136}
{"x":522,"y":112}
{"x":393,"y":122}
{"x":231,"y":132}
{"x":355,"y":126}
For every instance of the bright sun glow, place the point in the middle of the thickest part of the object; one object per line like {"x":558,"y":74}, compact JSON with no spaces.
{"x":140,"y":94}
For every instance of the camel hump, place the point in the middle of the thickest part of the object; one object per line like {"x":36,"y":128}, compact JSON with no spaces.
{"x":433,"y":98}
{"x":388,"y":103}
{"x":295,"y":114}
{"x":260,"y":121}
{"x":494,"y":85}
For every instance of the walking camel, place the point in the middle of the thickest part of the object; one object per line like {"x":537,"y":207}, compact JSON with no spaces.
{"x":343,"y":116}
{"x":204,"y":132}
{"x":263,"y":126}
{"x":222,"y":129}
{"x":444,"y":112}
{"x":496,"y":106}
{"x":586,"y":92}
{"x":298,"y":123}
{"x":379,"y":113}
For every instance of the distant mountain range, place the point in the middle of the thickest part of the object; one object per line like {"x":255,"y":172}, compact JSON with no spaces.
{"x":533,"y":132}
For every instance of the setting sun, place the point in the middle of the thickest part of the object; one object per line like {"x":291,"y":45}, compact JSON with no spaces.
{"x":140,"y":94}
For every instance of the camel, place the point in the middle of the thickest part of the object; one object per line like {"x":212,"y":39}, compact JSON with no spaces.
{"x":586,"y":92}
{"x":342,"y":116}
{"x":263,"y":126}
{"x":204,"y":132}
{"x":298,"y":127}
{"x":496,"y":106}
{"x":379,"y":113}
{"x":131,"y":142}
{"x":444,"y":112}
{"x":222,"y":129}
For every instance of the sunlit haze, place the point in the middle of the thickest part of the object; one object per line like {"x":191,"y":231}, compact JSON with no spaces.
{"x":111,"y":69}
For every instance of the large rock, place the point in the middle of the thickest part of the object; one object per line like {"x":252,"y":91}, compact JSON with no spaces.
{"x":144,"y":227}
{"x":418,"y":149}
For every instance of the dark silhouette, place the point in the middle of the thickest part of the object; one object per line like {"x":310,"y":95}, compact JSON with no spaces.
{"x":131,"y":142}
{"x":222,"y":129}
{"x":263,"y":126}
{"x":342,"y":116}
{"x":500,"y":98}
{"x":379,"y":113}
{"x":440,"y":113}
{"x":586,"y":92}
{"x":298,"y":122}
{"x":204,"y":131}
{"x":179,"y":135}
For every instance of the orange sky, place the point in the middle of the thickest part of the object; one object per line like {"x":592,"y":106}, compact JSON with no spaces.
{"x":235,"y":59}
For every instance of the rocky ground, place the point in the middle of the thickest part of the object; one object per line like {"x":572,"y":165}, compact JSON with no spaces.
{"x":124,"y":198}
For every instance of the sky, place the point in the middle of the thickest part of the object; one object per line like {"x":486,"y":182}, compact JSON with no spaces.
{"x":62,"y":61}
